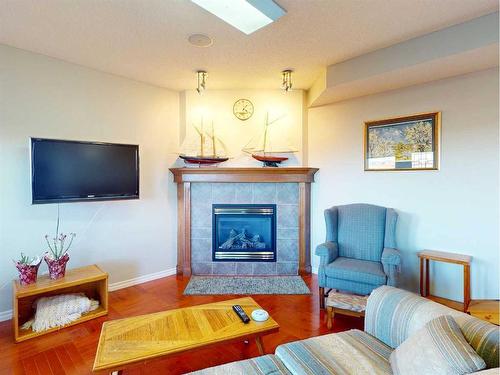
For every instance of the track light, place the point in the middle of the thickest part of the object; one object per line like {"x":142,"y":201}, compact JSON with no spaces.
{"x":286,"y":80}
{"x":202,"y":80}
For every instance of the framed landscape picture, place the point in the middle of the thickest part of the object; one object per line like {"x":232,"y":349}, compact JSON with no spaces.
{"x":403,"y":143}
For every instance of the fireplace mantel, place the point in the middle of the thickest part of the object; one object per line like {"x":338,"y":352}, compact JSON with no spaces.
{"x":184,"y":177}
{"x":291,"y":174}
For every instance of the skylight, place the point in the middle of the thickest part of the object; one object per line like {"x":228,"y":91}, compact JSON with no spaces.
{"x":245,"y":15}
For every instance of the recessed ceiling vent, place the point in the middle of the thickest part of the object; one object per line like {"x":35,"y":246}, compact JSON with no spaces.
{"x":200,"y":40}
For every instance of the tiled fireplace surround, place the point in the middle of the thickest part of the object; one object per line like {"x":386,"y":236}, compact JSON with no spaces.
{"x":289,"y":188}
{"x":286,"y":198}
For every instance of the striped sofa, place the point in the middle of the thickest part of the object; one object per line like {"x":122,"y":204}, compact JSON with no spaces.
{"x":392,"y":315}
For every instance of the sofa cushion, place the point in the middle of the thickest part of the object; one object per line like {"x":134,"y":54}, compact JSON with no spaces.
{"x":264,"y":365}
{"x":360,"y":271}
{"x":350,"y":352}
{"x":437,"y":348}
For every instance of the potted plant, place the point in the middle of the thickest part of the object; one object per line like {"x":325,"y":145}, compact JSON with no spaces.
{"x":57,"y":256}
{"x":28,"y":268}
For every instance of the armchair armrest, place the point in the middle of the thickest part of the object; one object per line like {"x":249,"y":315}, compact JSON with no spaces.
{"x":391,"y":257}
{"x":328,"y":252}
{"x":391,"y":261}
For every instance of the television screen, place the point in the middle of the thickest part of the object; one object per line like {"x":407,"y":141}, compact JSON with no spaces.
{"x":66,"y":171}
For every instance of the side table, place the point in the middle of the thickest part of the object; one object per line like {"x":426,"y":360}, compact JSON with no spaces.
{"x":440,"y":256}
{"x":89,"y":280}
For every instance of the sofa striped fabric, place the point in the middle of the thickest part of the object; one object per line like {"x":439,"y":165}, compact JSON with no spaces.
{"x":264,"y":365}
{"x":392,"y":315}
{"x":350,"y":352}
{"x":484,"y":338}
{"x":437,"y":348}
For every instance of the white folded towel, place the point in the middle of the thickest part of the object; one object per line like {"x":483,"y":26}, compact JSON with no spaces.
{"x":59,"y":310}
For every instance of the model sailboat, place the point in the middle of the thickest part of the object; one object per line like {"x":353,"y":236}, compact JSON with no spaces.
{"x":205,"y":149}
{"x":270,"y":145}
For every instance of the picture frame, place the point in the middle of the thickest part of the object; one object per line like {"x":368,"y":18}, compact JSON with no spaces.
{"x":406,"y":143}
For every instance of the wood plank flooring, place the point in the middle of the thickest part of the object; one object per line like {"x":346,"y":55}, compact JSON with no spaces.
{"x":72,"y":350}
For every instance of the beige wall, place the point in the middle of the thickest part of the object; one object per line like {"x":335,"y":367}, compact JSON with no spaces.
{"x":43,"y":97}
{"x":454,"y":209}
{"x":217,"y":105}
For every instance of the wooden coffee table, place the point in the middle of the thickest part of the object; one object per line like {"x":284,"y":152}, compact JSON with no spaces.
{"x":144,"y":337}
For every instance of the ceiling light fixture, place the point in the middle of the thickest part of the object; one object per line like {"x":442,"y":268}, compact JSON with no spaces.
{"x":286,"y":79}
{"x":245,"y":15}
{"x":202,"y":80}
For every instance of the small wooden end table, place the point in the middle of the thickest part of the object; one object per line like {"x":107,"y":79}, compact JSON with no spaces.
{"x":344,"y":304}
{"x":144,"y":337}
{"x":440,"y":256}
{"x":89,"y":280}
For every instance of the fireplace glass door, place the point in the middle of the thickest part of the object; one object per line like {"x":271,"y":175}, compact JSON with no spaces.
{"x":244,"y":232}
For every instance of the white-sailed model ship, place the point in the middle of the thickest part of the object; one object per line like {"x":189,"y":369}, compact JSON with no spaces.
{"x":205,"y":149}
{"x":269,"y":145}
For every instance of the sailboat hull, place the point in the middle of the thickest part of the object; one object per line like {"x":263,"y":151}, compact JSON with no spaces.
{"x":269,"y":161}
{"x":206,"y":160}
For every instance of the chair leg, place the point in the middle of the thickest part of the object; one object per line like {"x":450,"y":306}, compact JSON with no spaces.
{"x":321,"y":298}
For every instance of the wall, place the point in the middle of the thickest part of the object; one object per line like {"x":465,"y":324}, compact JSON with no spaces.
{"x":454,"y":209}
{"x":217,"y":106}
{"x":44,"y":97}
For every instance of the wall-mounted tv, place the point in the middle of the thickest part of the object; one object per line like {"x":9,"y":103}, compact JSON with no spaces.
{"x":73,"y":171}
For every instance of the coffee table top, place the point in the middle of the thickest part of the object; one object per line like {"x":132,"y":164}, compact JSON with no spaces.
{"x":135,"y":339}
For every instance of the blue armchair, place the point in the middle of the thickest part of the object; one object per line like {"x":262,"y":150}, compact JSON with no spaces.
{"x":360,"y":253}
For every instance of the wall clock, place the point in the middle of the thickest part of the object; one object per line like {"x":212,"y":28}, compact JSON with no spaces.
{"x":243,"y":109}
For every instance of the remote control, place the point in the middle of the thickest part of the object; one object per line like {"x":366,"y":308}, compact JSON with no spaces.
{"x":241,"y":313}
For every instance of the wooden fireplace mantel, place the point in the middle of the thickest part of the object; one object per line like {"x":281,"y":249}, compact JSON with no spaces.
{"x":291,"y":174}
{"x":304,"y":176}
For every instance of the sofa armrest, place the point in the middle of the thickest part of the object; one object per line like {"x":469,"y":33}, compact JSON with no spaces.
{"x":327,"y":252}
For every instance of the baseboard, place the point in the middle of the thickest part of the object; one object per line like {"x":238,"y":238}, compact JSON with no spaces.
{"x":7,"y":315}
{"x":141,"y":279}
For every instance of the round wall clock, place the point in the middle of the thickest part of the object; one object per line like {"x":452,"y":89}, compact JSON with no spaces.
{"x":243,"y":109}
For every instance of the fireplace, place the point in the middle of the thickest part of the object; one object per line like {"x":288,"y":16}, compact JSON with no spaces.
{"x":244,"y":232}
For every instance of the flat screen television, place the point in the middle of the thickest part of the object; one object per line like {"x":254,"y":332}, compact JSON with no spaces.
{"x":73,"y":171}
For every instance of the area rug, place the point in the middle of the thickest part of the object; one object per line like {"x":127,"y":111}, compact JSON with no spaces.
{"x":203,"y":285}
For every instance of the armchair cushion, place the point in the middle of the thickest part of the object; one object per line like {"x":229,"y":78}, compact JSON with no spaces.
{"x":328,"y":251}
{"x":356,"y":270}
{"x":361,"y":231}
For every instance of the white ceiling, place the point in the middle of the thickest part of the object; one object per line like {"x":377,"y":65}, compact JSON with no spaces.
{"x":146,"y":40}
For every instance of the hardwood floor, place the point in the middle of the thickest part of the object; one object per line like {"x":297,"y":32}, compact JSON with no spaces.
{"x":72,"y":350}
